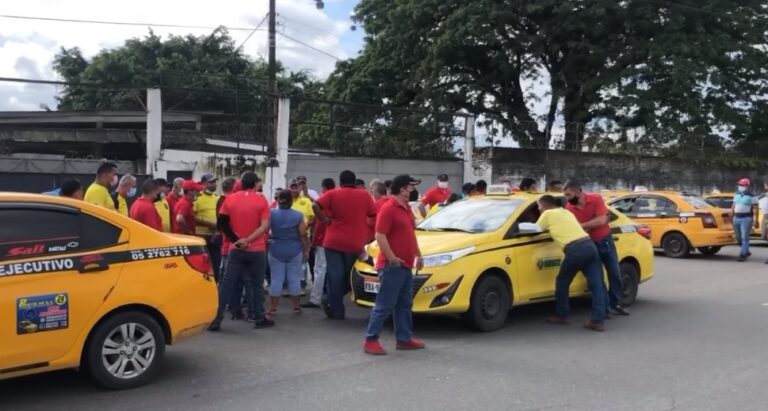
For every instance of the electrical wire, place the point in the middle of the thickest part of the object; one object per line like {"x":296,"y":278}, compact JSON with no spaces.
{"x":123,"y":23}
{"x":309,"y":46}
{"x":251,"y":33}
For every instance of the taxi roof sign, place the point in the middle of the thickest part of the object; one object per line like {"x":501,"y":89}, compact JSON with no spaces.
{"x":498,"y":190}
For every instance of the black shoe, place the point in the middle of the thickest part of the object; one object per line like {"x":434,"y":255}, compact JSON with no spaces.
{"x":263,"y":323}
{"x":742,"y":258}
{"x":766,"y":261}
{"x":215,"y":326}
{"x":619,"y":310}
{"x":310,"y":305}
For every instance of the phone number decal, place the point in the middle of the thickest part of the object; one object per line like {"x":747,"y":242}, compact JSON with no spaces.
{"x":164,"y":252}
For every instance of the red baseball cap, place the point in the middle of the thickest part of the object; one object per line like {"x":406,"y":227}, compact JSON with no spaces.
{"x":191,"y":185}
{"x":744,"y":182}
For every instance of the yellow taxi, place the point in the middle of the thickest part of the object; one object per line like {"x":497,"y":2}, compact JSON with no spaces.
{"x":89,"y":288}
{"x":679,"y":222}
{"x":482,"y":258}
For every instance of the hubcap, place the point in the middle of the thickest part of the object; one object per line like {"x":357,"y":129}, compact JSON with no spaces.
{"x":675,"y":245}
{"x":491,"y":304}
{"x":128,"y":351}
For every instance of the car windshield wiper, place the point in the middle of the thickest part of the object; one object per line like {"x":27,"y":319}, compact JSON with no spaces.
{"x":452,"y":229}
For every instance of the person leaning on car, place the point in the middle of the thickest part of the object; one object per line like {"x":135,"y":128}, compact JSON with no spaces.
{"x":580,"y":255}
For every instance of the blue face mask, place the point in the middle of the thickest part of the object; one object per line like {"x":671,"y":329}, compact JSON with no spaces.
{"x":131,"y":192}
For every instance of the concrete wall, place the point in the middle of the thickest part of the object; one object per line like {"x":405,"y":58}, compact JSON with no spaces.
{"x":608,"y":171}
{"x":317,"y":167}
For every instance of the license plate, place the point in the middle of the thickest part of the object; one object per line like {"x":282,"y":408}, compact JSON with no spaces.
{"x":371,"y":286}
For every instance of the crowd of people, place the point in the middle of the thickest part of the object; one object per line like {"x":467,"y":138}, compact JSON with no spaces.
{"x":304,"y":235}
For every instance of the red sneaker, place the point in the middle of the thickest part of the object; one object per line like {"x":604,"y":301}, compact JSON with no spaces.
{"x":373,"y":347}
{"x":412,"y":344}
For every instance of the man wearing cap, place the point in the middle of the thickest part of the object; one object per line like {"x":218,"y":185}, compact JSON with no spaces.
{"x":743,"y":212}
{"x":161,"y":203}
{"x":399,"y":255}
{"x":580,"y":255}
{"x":303,"y":183}
{"x":435,"y":195}
{"x":205,"y":219}
{"x":143,"y":209}
{"x":185,"y":222}
{"x":301,"y":202}
{"x":348,"y":209}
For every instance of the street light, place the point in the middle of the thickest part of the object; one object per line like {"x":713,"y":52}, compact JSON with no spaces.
{"x":319,"y":4}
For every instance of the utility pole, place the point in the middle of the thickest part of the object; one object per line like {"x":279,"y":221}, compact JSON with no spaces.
{"x":272,"y":82}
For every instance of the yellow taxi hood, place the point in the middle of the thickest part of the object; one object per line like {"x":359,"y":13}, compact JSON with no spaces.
{"x":431,"y":243}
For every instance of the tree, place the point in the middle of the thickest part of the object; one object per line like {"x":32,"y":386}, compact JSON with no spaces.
{"x":661,"y":65}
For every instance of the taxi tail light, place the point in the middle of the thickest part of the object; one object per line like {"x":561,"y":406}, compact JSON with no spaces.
{"x":200,"y":262}
{"x":708,"y":220}
{"x":644,"y":231}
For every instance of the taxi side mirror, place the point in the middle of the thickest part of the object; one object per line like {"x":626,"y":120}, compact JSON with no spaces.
{"x":529,"y":229}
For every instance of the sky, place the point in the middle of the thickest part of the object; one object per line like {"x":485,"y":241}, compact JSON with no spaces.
{"x":27,"y":47}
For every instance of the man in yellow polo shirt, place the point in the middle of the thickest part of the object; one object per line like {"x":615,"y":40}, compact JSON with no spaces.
{"x":580,"y":255}
{"x":98,"y":191}
{"x":301,"y":202}
{"x":205,"y":217}
{"x":125,"y":189}
{"x":161,"y":203}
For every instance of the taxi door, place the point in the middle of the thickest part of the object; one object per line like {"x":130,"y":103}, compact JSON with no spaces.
{"x":55,"y":274}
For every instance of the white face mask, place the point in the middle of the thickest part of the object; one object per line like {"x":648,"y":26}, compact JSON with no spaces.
{"x":442,"y":184}
{"x":742,"y":189}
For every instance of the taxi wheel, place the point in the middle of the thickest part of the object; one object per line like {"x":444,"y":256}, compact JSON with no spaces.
{"x":630,"y":282}
{"x":489,"y":304}
{"x":675,"y":245}
{"x":124,"y":351}
{"x":709,"y":250}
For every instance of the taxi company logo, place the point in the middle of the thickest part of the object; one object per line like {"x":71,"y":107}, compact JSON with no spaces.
{"x":545,"y":263}
{"x":35,"y":267}
{"x":35,"y":249}
{"x":56,"y":248}
{"x":169,"y":266}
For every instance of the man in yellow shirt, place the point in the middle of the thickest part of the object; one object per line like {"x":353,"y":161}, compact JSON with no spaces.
{"x":580,"y":255}
{"x":125,"y":189}
{"x":301,"y":202}
{"x":205,"y":219}
{"x":98,"y":191}
{"x":161,"y":204}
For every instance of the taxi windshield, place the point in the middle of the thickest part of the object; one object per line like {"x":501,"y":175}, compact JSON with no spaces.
{"x":472,"y":216}
{"x":696,"y":202}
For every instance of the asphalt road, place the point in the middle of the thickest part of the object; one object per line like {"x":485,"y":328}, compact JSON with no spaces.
{"x":697,"y":339}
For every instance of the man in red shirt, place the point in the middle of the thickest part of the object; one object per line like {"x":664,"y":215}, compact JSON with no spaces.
{"x":184,"y":222}
{"x":399,"y":255}
{"x":348,"y":209}
{"x":143,"y":209}
{"x":591,"y":212}
{"x":380,"y":197}
{"x":173,"y":197}
{"x":244,"y":218}
{"x":321,"y":265}
{"x":435,"y":195}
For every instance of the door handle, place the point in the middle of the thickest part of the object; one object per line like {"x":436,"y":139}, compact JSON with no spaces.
{"x":94,"y":269}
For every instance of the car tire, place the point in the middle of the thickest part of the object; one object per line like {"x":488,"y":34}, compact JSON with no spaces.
{"x":125,"y":351}
{"x":712,"y":250}
{"x":675,"y":245}
{"x":630,"y":283}
{"x":489,"y":304}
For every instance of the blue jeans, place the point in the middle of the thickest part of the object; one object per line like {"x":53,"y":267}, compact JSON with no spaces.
{"x":606,"y":248}
{"x":581,"y":256}
{"x":742,"y":228}
{"x":248,"y":266}
{"x":395,"y":298}
{"x":339,"y":266}
{"x":281,"y":271}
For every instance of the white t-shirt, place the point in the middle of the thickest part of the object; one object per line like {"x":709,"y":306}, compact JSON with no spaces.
{"x":763,"y":204}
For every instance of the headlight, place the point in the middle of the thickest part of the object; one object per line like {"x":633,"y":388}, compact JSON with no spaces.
{"x":437,"y":260}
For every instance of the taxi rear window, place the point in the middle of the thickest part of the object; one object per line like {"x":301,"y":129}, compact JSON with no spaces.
{"x":696,"y":202}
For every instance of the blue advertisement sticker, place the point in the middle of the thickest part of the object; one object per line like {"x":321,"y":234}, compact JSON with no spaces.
{"x":42,"y":313}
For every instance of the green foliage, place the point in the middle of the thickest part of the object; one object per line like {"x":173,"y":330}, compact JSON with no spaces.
{"x":667,"y":68}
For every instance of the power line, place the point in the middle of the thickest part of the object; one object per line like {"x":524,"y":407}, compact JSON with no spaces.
{"x":314,"y":28}
{"x":310,"y":46}
{"x":124,"y":23}
{"x":251,"y":33}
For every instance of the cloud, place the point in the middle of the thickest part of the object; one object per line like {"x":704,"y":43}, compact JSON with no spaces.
{"x":27,"y":47}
